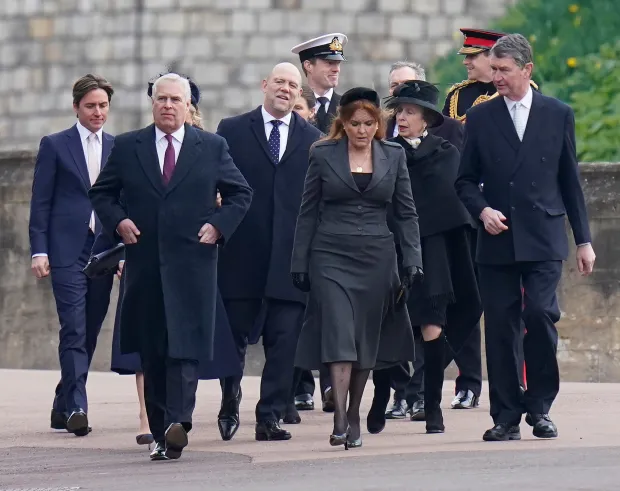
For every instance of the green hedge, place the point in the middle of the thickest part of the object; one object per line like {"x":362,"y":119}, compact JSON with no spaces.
{"x":567,"y":37}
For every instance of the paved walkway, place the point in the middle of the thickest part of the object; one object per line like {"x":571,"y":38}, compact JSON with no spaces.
{"x":32,"y":456}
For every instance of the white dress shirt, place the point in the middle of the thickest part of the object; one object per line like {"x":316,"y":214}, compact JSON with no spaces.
{"x":286,"y":122}
{"x":522,"y":111}
{"x":162,"y":144}
{"x":329,"y":94}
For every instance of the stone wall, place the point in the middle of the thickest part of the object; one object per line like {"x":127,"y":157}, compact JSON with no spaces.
{"x":589,"y":330}
{"x":227,"y":46}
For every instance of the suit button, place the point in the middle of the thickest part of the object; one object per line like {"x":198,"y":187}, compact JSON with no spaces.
{"x":534,"y":183}
{"x":359,"y":228}
{"x":543,"y":159}
{"x":359,"y":207}
{"x":533,"y":207}
{"x":511,"y":183}
{"x":512,"y":208}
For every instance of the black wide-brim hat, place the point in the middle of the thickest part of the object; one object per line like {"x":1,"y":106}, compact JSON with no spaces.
{"x":420,"y":93}
{"x":360,"y":94}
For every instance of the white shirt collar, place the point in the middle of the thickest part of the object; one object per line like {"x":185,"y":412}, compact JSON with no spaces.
{"x":85,"y":132}
{"x":329,"y":94}
{"x":526,"y":101}
{"x":178,"y":135}
{"x":268,"y":118}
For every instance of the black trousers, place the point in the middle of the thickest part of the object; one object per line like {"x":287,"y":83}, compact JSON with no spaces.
{"x":169,"y":384}
{"x":82,"y":304}
{"x":306,"y":381}
{"x":281,"y":328}
{"x":504,"y":307}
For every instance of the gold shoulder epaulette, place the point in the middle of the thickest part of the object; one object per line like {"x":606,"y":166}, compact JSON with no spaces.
{"x":460,"y":85}
{"x":533,"y":84}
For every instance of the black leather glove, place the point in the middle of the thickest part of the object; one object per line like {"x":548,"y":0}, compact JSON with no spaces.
{"x":411,"y":275}
{"x":301,"y":281}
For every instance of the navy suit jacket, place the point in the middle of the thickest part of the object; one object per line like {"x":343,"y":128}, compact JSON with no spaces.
{"x":534,"y":182}
{"x":256,"y":262}
{"x":60,"y":208}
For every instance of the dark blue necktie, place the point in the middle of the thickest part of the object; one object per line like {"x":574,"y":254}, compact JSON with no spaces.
{"x":274,"y":141}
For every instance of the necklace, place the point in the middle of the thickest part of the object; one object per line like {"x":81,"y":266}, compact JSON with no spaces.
{"x":360,"y":168}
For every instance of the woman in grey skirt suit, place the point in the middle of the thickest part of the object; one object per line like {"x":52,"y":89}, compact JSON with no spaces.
{"x":344,"y":256}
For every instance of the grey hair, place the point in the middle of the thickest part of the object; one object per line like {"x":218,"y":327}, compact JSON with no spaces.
{"x":174,"y":77}
{"x":513,"y":46}
{"x":416,"y":67}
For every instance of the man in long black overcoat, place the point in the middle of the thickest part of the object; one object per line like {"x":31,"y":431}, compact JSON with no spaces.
{"x":168,"y":175}
{"x":270,"y":145}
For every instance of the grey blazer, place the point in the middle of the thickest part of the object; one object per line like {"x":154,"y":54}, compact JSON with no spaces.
{"x":333,"y":203}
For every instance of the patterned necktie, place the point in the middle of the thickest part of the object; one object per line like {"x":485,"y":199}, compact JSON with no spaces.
{"x":274,"y":141}
{"x":168,"y":161}
{"x":93,"y":164}
{"x":321,"y":114}
{"x":517,"y":119}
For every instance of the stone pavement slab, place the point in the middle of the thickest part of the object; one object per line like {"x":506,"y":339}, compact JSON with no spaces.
{"x":33,"y":456}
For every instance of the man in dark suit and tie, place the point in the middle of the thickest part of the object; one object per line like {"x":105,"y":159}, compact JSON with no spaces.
{"x":62,"y":230}
{"x":321,"y":58}
{"x":521,"y":144}
{"x":168,"y":175}
{"x":270,"y":145}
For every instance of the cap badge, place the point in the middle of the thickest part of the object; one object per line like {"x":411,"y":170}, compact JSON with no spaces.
{"x":335,"y":45}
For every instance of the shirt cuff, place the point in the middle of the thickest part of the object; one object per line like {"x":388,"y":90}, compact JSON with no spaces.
{"x":585,"y":243}
{"x":39,"y":254}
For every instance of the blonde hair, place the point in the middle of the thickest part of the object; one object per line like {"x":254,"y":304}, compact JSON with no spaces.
{"x":195,"y":117}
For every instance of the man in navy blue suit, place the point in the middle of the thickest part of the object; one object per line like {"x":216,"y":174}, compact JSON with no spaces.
{"x":521,"y":145}
{"x":62,"y":230}
{"x":270,"y":146}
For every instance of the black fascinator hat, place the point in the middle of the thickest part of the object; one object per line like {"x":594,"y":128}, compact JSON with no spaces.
{"x":420,"y":93}
{"x":360,"y":94}
{"x":195,"y":91}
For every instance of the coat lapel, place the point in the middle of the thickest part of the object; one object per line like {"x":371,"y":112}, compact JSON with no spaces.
{"x":187,"y":157}
{"x":147,"y":155}
{"x":106,"y":148}
{"x":258,"y":128}
{"x":380,"y":165}
{"x":533,"y":128}
{"x":502,"y":119}
{"x":294,"y":137}
{"x":339,"y":161}
{"x":77,"y":152}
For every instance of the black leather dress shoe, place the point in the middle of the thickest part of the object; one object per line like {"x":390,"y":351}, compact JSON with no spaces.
{"x":416,"y":411}
{"x":543,"y":426}
{"x":176,"y":440}
{"x":465,"y":399}
{"x":228,"y":418}
{"x":291,"y":416}
{"x":502,"y":432}
{"x":159,"y":452}
{"x":270,"y":430}
{"x":58,"y":420}
{"x":77,"y":423}
{"x":304,"y":402}
{"x":398,"y":410}
{"x":328,"y":401}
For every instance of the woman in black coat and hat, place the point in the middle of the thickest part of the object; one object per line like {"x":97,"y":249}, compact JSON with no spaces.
{"x":225,"y":360}
{"x":446,"y":303}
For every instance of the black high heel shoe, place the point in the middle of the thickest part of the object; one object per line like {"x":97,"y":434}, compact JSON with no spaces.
{"x":342,"y":439}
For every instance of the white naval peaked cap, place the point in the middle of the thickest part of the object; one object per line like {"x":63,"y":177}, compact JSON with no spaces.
{"x":327,"y":47}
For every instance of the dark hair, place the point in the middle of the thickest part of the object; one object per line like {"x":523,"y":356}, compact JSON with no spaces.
{"x":90,"y":82}
{"x":345,"y":113}
{"x":308,"y":94}
{"x":312,"y":62}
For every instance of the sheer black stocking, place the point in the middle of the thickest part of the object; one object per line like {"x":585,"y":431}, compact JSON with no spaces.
{"x":356,"y":391}
{"x":340,"y":373}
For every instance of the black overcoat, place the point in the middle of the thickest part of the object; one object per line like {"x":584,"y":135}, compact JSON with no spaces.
{"x":256,"y":262}
{"x":171,"y":278}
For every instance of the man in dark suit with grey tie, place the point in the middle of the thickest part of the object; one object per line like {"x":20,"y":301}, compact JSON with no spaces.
{"x":168,"y":175}
{"x":270,"y":145}
{"x":62,"y":230}
{"x":521,"y":144}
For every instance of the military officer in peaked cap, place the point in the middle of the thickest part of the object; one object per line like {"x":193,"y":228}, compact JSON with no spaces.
{"x":320,"y":59}
{"x":479,"y":86}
